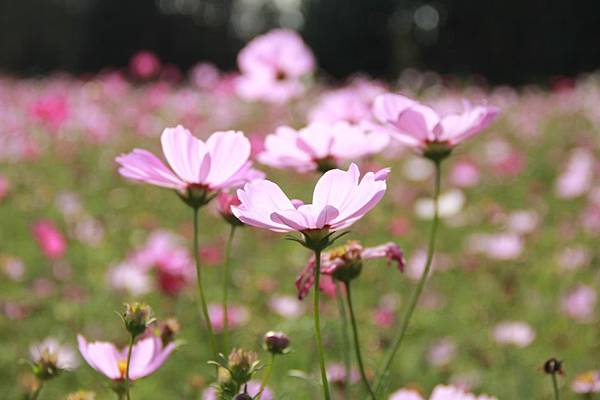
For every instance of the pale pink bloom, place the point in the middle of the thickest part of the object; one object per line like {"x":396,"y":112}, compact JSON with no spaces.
{"x":440,"y":392}
{"x":339,"y":200}
{"x":405,"y":394}
{"x":319,"y":146}
{"x":205,"y":76}
{"x":346,"y":256}
{"x":4,"y":187}
{"x":441,"y":353}
{"x":450,"y":204}
{"x":351,"y":104}
{"x":523,"y":221}
{"x":464,"y":173}
{"x":130,"y":278}
{"x":147,"y":356}
{"x":219,"y":163}
{"x":499,"y":246}
{"x":236,"y":316}
{"x":66,"y":357}
{"x":14,"y":268}
{"x":517,"y":333}
{"x":384,"y":316}
{"x":286,"y":306}
{"x":419,"y":126}
{"x":253,"y":388}
{"x":51,"y":110}
{"x":573,"y":257}
{"x":588,"y":382}
{"x":579,"y":304}
{"x":144,"y":64}
{"x":272,"y":66}
{"x":336,"y":374}
{"x":576,"y":178}
{"x":50,"y":240}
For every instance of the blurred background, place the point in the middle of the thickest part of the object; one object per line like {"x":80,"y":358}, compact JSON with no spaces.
{"x":509,"y":41}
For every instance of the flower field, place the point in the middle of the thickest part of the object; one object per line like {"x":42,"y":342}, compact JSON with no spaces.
{"x":101,"y":178}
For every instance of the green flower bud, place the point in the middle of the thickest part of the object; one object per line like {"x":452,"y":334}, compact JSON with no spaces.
{"x":137,"y":317}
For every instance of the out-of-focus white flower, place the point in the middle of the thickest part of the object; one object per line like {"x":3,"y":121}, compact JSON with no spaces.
{"x":517,"y":333}
{"x":450,"y":204}
{"x":65,"y":355}
{"x":130,"y":278}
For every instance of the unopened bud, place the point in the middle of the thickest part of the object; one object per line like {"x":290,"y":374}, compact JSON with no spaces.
{"x":276,"y":342}
{"x":553,"y":366}
{"x":137,"y":317}
{"x":242,"y":365}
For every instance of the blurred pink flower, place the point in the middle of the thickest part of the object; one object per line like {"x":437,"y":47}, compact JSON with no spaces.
{"x":587,"y":382}
{"x":236,"y":316}
{"x":219,"y":163}
{"x":144,"y":64}
{"x":441,"y":353}
{"x":576,"y":178}
{"x":517,"y":333}
{"x":205,"y":76}
{"x":499,"y":246}
{"x":147,"y":356}
{"x":51,"y":110}
{"x":579,"y":303}
{"x":65,"y":355}
{"x":286,"y":306}
{"x":129,"y":277}
{"x":464,"y":173}
{"x":347,"y":260}
{"x":319,"y":146}
{"x":4,"y":187}
{"x":272,"y":66}
{"x":50,"y":240}
{"x":440,"y":392}
{"x":339,"y":200}
{"x":384,"y":317}
{"x":336,"y":373}
{"x":420,"y":127}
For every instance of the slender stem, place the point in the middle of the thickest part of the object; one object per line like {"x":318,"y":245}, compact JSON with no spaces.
{"x":37,"y":391}
{"x":203,"y":306}
{"x":127,"y":381}
{"x":361,"y":366}
{"x":397,"y":341}
{"x":226,"y":280}
{"x":266,"y":377}
{"x":317,"y":318}
{"x":555,"y":386}
{"x":345,"y":341}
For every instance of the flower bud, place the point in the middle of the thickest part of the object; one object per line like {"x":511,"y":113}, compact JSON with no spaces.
{"x":553,"y":366}
{"x":168,"y":329}
{"x":276,"y":342}
{"x":242,"y":364}
{"x":137,"y":317}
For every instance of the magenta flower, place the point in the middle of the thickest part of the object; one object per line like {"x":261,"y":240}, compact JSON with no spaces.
{"x":219,"y":163}
{"x":144,"y":64}
{"x":147,"y":356}
{"x":345,"y":262}
{"x":50,"y":240}
{"x":423,"y":129}
{"x":339,"y":200}
{"x":272,"y":66}
{"x":320,"y":146}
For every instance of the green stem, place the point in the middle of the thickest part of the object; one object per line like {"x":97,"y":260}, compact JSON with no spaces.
{"x":317,"y":319}
{"x":226,"y":286}
{"x":361,"y":367}
{"x":37,"y":391}
{"x":266,"y":377}
{"x":345,"y":341}
{"x":203,"y":306}
{"x":555,"y":386}
{"x":397,"y":341}
{"x":127,"y":381}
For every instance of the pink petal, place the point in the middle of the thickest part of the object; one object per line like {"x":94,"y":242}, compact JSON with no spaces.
{"x":229,"y":152}
{"x":141,"y":165}
{"x":184,"y":153}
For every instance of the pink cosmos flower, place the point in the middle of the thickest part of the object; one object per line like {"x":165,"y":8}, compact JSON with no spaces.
{"x":339,"y":200}
{"x":579,"y":303}
{"x":319,"y":146}
{"x":147,"y":356}
{"x":420,"y":127}
{"x":346,"y":262}
{"x":587,"y":382}
{"x":51,"y":110}
{"x":440,"y":392}
{"x":464,"y":173}
{"x":144,"y":64}
{"x":219,"y":163}
{"x":50,"y":240}
{"x":515,"y":333}
{"x":336,"y":373}
{"x":272,"y":66}
{"x":577,"y":176}
{"x":224,"y":202}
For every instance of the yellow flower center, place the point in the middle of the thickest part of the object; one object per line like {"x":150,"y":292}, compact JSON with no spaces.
{"x":122,"y":367}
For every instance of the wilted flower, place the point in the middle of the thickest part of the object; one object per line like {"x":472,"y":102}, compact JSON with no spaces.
{"x":587,"y":382}
{"x":242,"y":365}
{"x":198,"y":168}
{"x":272,"y":66}
{"x":339,"y":200}
{"x":320,"y":146}
{"x":515,"y":333}
{"x":147,"y":356}
{"x":344,"y":263}
{"x":424,"y":130}
{"x":50,"y":239}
